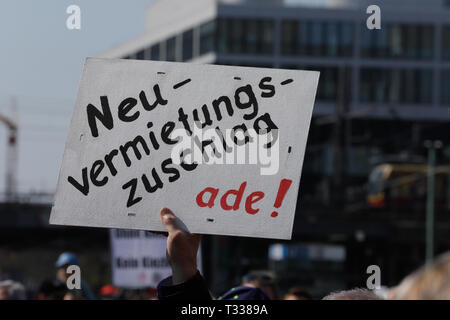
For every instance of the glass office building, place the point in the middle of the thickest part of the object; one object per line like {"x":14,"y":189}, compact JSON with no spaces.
{"x":404,"y":64}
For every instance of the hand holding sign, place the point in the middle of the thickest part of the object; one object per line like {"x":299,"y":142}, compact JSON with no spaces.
{"x":182,"y":247}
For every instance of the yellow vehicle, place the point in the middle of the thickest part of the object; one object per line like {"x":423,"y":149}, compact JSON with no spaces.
{"x":406,"y":185}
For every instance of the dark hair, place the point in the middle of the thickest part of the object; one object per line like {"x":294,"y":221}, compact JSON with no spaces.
{"x":53,"y":289}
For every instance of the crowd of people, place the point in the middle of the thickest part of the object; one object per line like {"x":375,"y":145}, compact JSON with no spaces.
{"x":430,"y":282}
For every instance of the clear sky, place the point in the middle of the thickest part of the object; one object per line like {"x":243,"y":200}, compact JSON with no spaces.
{"x":40,"y":65}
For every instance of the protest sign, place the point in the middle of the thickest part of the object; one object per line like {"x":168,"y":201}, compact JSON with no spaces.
{"x":138,"y":258}
{"x":221,"y":146}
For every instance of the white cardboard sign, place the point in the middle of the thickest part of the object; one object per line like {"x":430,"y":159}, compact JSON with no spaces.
{"x":138,"y":258}
{"x":119,"y":167}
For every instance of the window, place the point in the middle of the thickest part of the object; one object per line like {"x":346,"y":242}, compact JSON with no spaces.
{"x":366,"y":41}
{"x":395,"y":86}
{"x":446,"y":43}
{"x":365,"y":88}
{"x":317,"y":39}
{"x":398,"y":41}
{"x":412,"y":38}
{"x":425,"y":80}
{"x":207,"y":32}
{"x":346,"y":39}
{"x":410,"y":86}
{"x":328,"y":84}
{"x":237,"y":35}
{"x":380,"y":87}
{"x":223,"y":38}
{"x":155,"y":52}
{"x":171,"y":49}
{"x":314,"y":38}
{"x":303,"y":45}
{"x":140,"y":55}
{"x":373,"y":86}
{"x":395,"y":41}
{"x":379,"y":48}
{"x":288,"y":37}
{"x":332,"y":39}
{"x":404,"y":86}
{"x":445,"y":85}
{"x":252,"y":36}
{"x":328,"y":91}
{"x":245,"y":36}
{"x":259,"y":37}
{"x":268,"y":35}
{"x":426,"y":45}
{"x":328,"y":88}
{"x":188,"y":45}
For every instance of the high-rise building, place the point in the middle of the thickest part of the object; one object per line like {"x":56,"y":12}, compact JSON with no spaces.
{"x":404,"y":65}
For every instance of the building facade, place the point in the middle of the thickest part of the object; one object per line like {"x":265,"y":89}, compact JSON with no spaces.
{"x":405,"y":65}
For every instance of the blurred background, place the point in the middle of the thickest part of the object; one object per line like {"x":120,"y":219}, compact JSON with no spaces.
{"x":375,"y":188}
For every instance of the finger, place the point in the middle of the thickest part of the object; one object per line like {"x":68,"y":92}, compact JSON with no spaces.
{"x":169,"y":220}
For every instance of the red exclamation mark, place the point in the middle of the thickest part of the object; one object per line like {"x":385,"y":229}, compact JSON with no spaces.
{"x":282,"y":190}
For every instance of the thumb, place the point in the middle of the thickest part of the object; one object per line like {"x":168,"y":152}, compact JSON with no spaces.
{"x":169,"y":220}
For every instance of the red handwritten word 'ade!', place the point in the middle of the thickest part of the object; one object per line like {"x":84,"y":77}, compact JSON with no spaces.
{"x":221,"y":146}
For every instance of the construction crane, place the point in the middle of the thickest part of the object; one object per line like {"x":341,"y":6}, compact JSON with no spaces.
{"x":11,"y":157}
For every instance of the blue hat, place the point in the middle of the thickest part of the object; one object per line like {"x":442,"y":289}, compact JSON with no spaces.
{"x":66,"y":258}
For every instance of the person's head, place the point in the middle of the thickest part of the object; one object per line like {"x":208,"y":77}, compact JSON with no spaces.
{"x":264,"y":281}
{"x":353,"y":294}
{"x":52,"y":290}
{"x":17,"y":291}
{"x":5,"y":287}
{"x":430,"y":282}
{"x":65,"y":259}
{"x":297,"y":293}
{"x":69,"y":296}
